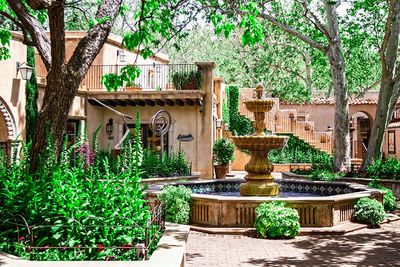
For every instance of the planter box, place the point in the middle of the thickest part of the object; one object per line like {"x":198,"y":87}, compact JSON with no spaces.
{"x":167,"y":180}
{"x":170,"y":252}
{"x":389,"y":184}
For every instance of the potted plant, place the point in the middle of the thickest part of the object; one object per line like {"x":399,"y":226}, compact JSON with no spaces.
{"x":223,"y":152}
{"x":131,"y":86}
{"x":187,"y":80}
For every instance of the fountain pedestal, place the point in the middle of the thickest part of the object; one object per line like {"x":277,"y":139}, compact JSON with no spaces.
{"x":259,"y":181}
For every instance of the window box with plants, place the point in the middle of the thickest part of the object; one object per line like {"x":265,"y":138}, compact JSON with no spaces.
{"x":187,"y":80}
{"x":223,"y":152}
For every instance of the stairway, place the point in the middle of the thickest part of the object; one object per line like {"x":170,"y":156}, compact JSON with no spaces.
{"x":290,"y":121}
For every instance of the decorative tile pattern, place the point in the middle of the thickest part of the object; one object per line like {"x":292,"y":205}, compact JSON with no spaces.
{"x":322,"y":189}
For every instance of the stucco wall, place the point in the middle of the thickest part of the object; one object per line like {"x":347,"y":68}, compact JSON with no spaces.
{"x":323,"y":115}
{"x":12,"y":87}
{"x":183,"y":122}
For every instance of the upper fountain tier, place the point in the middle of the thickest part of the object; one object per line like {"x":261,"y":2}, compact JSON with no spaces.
{"x":259,"y":105}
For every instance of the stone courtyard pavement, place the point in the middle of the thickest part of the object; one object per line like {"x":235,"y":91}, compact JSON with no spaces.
{"x":367,"y":247}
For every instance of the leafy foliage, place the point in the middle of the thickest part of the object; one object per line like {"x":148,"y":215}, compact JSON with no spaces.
{"x":298,"y":151}
{"x":187,"y":80}
{"x":223,"y":151}
{"x":85,"y":203}
{"x":173,"y":164}
{"x":369,"y":211}
{"x":177,"y":200}
{"x":274,"y":220}
{"x":384,"y":169}
{"x":32,"y":93}
{"x":389,"y":199}
{"x":113,"y":81}
{"x":238,"y":124}
{"x":325,"y":175}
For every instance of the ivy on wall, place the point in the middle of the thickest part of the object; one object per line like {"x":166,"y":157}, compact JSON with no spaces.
{"x":238,"y":124}
{"x":298,"y":151}
{"x":31,"y":92}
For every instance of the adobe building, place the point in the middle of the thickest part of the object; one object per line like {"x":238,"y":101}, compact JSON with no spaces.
{"x":193,"y":112}
{"x":313,"y":122}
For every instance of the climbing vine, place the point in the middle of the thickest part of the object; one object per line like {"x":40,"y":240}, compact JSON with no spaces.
{"x":31,"y":91}
{"x":238,"y":124}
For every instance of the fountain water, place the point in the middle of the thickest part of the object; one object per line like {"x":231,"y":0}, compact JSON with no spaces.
{"x":259,"y":181}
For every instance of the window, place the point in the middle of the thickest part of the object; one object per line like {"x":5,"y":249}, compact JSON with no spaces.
{"x":149,"y":139}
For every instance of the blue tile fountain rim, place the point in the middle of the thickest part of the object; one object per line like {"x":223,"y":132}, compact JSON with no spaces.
{"x":297,"y":186}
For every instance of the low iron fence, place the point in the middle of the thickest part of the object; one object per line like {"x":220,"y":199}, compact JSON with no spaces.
{"x":28,"y":237}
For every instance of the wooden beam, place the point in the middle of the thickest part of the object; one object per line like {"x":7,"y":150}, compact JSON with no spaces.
{"x":93,"y":102}
{"x":190,"y":102}
{"x":150,"y":102}
{"x":140,"y":102}
{"x":170,"y":102}
{"x":131,"y":103}
{"x":160,"y":102}
{"x":109,"y":102}
{"x":180,"y":102}
{"x":121,"y":103}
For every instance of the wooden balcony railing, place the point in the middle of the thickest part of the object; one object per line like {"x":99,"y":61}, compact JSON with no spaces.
{"x":152,"y":76}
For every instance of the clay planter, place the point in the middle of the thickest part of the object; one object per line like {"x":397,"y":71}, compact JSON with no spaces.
{"x":190,"y":86}
{"x":221,"y":171}
{"x":133,"y":88}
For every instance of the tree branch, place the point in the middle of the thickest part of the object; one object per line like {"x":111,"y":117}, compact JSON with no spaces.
{"x":36,"y":31}
{"x":89,"y":46}
{"x":27,"y":40}
{"x":294,"y":32}
{"x":315,"y":20}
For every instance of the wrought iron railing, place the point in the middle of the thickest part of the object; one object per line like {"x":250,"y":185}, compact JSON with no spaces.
{"x":152,"y":76}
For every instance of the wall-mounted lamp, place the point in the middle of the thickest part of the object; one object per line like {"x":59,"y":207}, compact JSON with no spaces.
{"x":329,"y":129}
{"x":25,"y":70}
{"x":109,"y":127}
{"x":219,"y":123}
{"x":121,"y":55}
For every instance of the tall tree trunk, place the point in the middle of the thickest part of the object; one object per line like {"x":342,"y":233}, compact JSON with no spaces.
{"x":54,"y":113}
{"x":341,"y":138}
{"x":63,"y":79}
{"x":382,"y":118}
{"x":390,"y":85}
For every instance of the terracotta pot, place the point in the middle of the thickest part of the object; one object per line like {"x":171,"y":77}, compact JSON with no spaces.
{"x":221,"y":171}
{"x":133,"y":88}
{"x":190,"y":86}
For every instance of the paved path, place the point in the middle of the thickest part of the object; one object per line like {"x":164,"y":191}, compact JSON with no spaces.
{"x":367,"y":247}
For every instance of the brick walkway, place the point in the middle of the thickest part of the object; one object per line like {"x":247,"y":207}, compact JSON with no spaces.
{"x":367,"y":247}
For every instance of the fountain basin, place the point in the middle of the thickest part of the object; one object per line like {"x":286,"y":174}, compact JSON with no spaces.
{"x":260,"y":143}
{"x":259,"y":105}
{"x":320,"y":204}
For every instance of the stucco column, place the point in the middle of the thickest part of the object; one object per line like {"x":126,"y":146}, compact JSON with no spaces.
{"x":205,"y":123}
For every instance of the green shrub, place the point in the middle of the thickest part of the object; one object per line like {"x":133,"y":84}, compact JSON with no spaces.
{"x":173,"y":164}
{"x":369,"y":211}
{"x":389,"y":199}
{"x":298,"y":151}
{"x":274,"y":220}
{"x":83,"y":199}
{"x":387,"y":169}
{"x":177,"y":200}
{"x":223,"y":151}
{"x":325,"y":175}
{"x":187,"y":80}
{"x":238,"y":124}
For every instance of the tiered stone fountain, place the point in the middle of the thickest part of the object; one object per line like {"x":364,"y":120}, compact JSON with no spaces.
{"x":259,"y":181}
